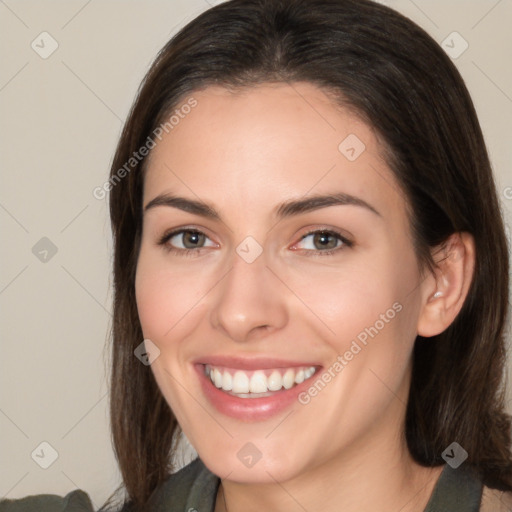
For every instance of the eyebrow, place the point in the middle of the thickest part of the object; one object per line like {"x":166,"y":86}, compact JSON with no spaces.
{"x":286,"y":209}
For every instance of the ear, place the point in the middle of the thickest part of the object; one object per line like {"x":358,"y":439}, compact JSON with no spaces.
{"x":445,"y":290}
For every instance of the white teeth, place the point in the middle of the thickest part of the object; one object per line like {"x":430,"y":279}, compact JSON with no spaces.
{"x":257,"y":382}
{"x":240,"y":382}
{"x":227,"y":381}
{"x":288,"y":378}
{"x":309,"y":372}
{"x":217,"y":378}
{"x":275,"y":381}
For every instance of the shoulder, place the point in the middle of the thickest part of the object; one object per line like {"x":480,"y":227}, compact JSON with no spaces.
{"x":495,"y":501}
{"x":75,"y":501}
{"x":193,"y":486}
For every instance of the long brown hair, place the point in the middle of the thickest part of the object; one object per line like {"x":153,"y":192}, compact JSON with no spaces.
{"x":393,"y":75}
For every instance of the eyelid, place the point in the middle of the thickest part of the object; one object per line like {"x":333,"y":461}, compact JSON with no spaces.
{"x":170,"y":233}
{"x":344,"y":238}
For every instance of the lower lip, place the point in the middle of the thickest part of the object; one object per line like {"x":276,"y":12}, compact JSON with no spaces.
{"x":250,"y":409}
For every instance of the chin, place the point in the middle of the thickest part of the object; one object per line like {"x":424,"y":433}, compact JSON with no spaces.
{"x":243,"y":462}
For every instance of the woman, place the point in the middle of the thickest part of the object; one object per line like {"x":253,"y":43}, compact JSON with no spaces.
{"x":310,"y":272}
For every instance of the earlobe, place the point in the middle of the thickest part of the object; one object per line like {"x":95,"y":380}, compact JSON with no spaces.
{"x":445,"y":291}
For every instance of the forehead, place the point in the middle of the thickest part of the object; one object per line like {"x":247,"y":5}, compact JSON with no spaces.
{"x":265,"y":143}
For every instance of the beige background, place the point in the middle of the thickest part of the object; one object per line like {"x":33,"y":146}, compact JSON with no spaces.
{"x":60,"y":120}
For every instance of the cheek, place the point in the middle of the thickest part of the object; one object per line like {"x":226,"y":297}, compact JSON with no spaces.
{"x":362,"y":300}
{"x":347,"y":300}
{"x":166,"y":298}
{"x":167,"y":304}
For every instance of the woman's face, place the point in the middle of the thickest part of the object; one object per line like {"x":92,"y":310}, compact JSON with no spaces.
{"x":277,"y":285}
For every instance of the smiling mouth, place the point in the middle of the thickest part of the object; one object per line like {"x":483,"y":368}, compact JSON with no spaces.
{"x":257,"y":383}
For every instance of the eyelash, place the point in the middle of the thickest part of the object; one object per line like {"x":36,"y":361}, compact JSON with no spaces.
{"x":194,"y":252}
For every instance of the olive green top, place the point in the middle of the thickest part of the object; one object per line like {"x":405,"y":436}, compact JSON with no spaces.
{"x":194,"y":488}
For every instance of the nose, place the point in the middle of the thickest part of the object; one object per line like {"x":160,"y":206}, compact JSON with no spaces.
{"x":250,"y":301}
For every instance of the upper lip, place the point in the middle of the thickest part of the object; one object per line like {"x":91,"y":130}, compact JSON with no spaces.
{"x":251,"y":363}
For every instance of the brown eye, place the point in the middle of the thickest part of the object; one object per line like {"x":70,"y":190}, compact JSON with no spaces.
{"x":185,"y":241}
{"x":323,"y":242}
{"x":192,"y":239}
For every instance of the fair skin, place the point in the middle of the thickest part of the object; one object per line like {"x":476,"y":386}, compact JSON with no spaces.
{"x":244,"y":154}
